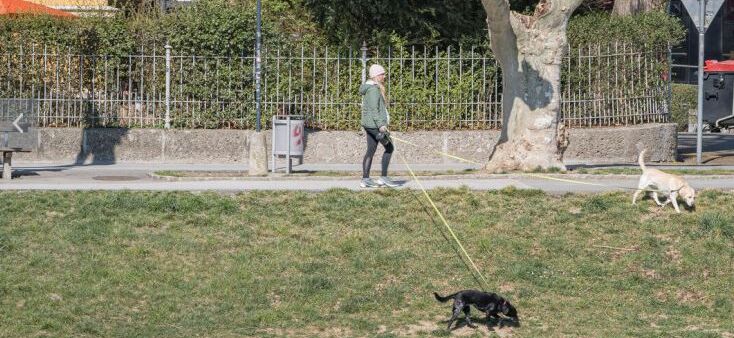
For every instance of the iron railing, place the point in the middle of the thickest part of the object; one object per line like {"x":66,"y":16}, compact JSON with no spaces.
{"x":452,"y":88}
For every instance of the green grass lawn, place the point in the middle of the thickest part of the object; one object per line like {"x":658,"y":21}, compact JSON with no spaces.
{"x":343,"y":264}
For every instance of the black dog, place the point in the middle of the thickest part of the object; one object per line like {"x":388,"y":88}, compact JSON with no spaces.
{"x":489,"y":303}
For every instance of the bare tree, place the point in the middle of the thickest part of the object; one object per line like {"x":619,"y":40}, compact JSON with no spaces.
{"x":529,"y":49}
{"x":631,"y":7}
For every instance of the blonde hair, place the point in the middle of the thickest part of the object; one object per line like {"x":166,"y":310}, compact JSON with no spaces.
{"x":382,"y":90}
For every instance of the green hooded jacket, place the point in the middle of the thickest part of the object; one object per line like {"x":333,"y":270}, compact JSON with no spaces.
{"x":374,"y":112}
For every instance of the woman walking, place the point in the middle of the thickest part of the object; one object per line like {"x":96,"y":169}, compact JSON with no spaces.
{"x":375,"y":120}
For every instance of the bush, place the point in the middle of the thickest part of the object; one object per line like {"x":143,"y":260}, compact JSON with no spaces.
{"x":209,"y":27}
{"x":227,"y":28}
{"x":684,"y":98}
{"x":214,"y":27}
{"x":654,"y":29}
{"x":634,"y":63}
{"x":220,"y":27}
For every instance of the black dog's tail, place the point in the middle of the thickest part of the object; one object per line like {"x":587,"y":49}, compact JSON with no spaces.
{"x":443,"y":299}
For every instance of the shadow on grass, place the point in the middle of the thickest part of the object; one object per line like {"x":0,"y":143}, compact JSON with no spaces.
{"x":491,"y":323}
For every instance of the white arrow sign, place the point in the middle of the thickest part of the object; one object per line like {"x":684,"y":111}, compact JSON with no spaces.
{"x":15,"y":123}
{"x":693,"y":8}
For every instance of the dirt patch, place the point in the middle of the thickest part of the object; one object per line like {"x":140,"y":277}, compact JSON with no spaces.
{"x":421,"y":328}
{"x":425,"y":327}
{"x":654,"y":212}
{"x":655,"y":209}
{"x":507,"y":288}
{"x":690,"y":297}
{"x":381,"y":329}
{"x":388,"y":281}
{"x":274,"y":299}
{"x":665,"y":238}
{"x":616,"y":252}
{"x":674,"y":255}
{"x":310,"y":332}
{"x":503,"y":331}
{"x":53,"y":214}
{"x":536,"y":248}
{"x":650,"y":273}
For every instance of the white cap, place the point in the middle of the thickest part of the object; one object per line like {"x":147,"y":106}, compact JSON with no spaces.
{"x":376,"y":70}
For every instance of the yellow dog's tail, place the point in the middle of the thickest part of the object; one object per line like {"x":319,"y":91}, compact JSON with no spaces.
{"x":641,"y":159}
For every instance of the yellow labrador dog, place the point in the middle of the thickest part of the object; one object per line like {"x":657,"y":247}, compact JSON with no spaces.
{"x":670,"y":184}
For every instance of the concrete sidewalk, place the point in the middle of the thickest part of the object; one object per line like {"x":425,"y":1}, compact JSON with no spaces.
{"x":132,"y":176}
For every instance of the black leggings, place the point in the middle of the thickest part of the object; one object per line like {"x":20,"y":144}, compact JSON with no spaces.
{"x":371,"y":148}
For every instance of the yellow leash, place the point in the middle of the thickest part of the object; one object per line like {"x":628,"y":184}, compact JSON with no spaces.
{"x":566,"y":180}
{"x":445,"y":223}
{"x":595,"y":184}
{"x":436,"y":151}
{"x":440,"y":215}
{"x":529,"y":174}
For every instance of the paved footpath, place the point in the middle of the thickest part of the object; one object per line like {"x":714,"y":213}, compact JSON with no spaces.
{"x":138,"y":177}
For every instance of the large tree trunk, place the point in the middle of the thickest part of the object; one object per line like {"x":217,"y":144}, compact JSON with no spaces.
{"x":631,"y":7}
{"x":530,"y":50}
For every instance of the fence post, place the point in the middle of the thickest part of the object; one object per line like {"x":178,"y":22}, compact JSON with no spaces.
{"x":168,"y":86}
{"x":258,"y":65}
{"x":364,"y":61}
{"x":669,"y":79}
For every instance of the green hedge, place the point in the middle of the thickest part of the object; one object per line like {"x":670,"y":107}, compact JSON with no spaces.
{"x":224,"y":28}
{"x":221,"y":27}
{"x":209,"y":27}
{"x":684,"y":99}
{"x":648,"y":29}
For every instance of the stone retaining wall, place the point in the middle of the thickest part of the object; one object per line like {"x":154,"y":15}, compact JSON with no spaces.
{"x":105,"y":145}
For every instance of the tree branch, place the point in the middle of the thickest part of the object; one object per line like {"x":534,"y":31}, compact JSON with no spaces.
{"x":557,"y":14}
{"x":502,"y":36}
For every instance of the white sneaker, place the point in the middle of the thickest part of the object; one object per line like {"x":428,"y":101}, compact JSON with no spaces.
{"x":369,"y":183}
{"x":386,"y":181}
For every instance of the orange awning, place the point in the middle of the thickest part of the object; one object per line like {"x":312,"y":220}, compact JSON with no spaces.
{"x":14,"y":7}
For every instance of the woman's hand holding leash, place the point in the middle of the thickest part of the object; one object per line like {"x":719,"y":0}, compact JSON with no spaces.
{"x":383,"y":136}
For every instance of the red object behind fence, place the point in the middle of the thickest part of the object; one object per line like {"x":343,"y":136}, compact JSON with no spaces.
{"x":716,"y":66}
{"x":20,"y":7}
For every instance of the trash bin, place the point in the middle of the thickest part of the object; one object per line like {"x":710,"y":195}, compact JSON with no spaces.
{"x":718,"y":94}
{"x":287,"y":139}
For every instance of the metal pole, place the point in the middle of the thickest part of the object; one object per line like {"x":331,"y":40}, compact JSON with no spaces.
{"x":364,"y":61}
{"x":272,"y":147}
{"x":701,"y":35}
{"x":168,"y":86}
{"x":288,"y":153}
{"x":258,"y":35}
